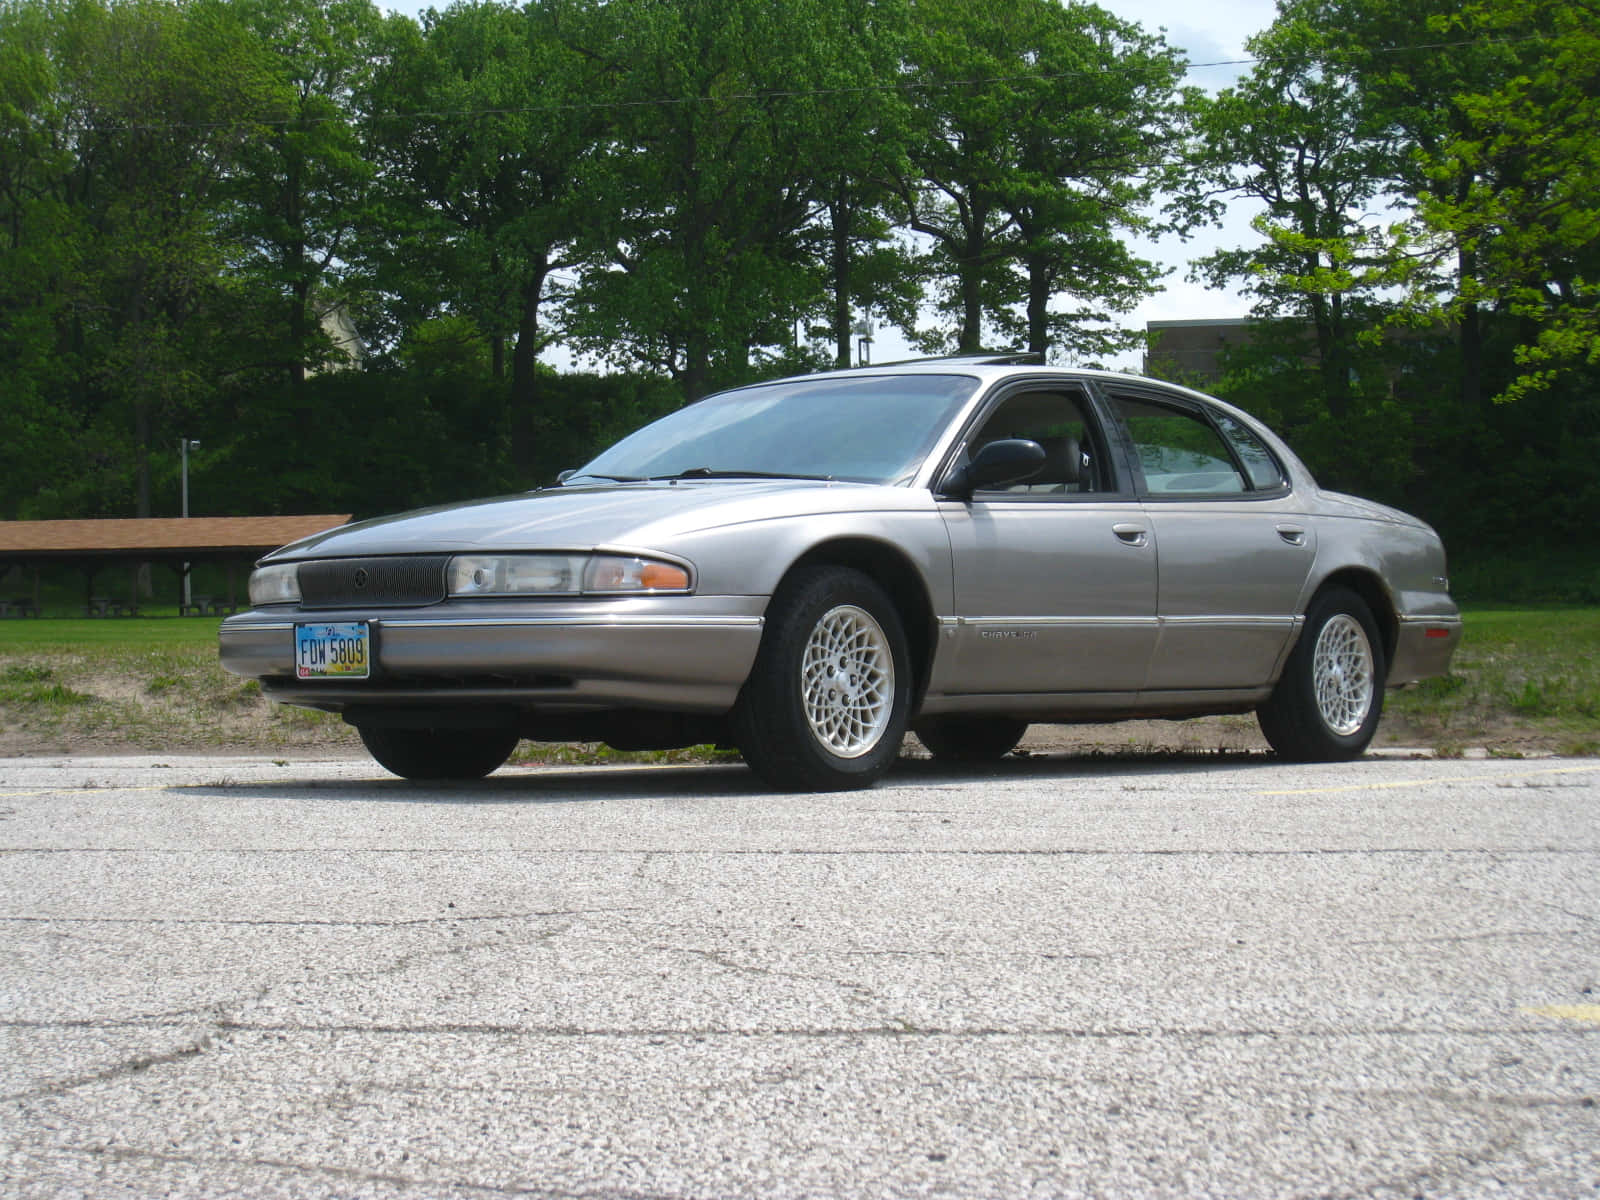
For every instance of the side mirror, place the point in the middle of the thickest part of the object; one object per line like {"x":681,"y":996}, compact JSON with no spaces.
{"x":1002,"y":462}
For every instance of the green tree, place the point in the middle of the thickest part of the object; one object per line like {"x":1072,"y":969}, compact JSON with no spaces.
{"x":41,"y":240}
{"x":299,"y":193}
{"x":1407,"y":72}
{"x":695,"y":263}
{"x":1295,"y":136}
{"x":1517,"y":184}
{"x":485,"y":126}
{"x":851,"y":237}
{"x":138,"y":114}
{"x":1041,"y":130}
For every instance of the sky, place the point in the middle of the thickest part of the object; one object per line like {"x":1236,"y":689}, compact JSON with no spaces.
{"x":1209,"y":33}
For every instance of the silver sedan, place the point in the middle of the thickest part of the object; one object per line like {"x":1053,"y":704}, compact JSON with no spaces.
{"x":808,"y":568}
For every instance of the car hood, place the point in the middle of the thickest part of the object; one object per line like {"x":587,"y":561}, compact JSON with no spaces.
{"x":639,"y":515}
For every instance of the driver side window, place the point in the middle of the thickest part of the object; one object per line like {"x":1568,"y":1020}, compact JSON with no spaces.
{"x":1056,"y":421}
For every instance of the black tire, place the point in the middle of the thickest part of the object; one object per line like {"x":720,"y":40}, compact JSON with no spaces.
{"x":1327,"y":705}
{"x":806,"y":721}
{"x":970,"y":739}
{"x":439,"y":753}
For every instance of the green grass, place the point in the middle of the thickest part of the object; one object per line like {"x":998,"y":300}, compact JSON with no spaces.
{"x":18,"y":635}
{"x":138,"y":684}
{"x":1521,"y":675}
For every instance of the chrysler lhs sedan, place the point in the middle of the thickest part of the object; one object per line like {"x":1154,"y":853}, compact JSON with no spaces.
{"x":808,"y":568}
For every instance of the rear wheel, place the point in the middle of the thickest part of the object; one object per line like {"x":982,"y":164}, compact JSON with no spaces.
{"x":970,"y":739}
{"x":826,"y":704}
{"x":1327,"y":705}
{"x":439,"y":753}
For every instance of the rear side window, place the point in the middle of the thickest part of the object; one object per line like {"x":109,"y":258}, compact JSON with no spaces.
{"x":1179,"y":451}
{"x":1265,"y":471}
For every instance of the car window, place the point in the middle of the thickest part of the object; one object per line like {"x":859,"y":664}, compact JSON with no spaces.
{"x":1179,"y":451}
{"x":874,"y":429}
{"x":1057,"y":421}
{"x":1265,"y":470}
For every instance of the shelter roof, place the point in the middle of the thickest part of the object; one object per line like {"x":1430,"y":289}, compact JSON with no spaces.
{"x":155,"y":536}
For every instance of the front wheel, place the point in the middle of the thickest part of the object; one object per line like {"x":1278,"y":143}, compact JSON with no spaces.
{"x":1327,"y":704}
{"x":826,"y":704}
{"x":439,"y":753}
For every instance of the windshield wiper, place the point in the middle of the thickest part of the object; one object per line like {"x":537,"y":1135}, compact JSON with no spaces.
{"x":715,"y":473}
{"x":612,"y":478}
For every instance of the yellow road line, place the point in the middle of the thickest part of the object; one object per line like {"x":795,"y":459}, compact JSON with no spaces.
{"x":1411,"y":783}
{"x":1588,"y":1013}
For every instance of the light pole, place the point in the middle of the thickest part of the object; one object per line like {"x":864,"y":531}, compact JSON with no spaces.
{"x":184,"y":446}
{"x":863,"y":332}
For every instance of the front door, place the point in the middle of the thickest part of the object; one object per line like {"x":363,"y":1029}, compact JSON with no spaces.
{"x":1055,"y":575}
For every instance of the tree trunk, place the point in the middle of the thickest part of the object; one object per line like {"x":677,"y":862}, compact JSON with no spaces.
{"x":1471,"y":336}
{"x":971,"y":308}
{"x":299,"y":331}
{"x":141,"y":453}
{"x":525,"y":373}
{"x":696,"y":376}
{"x":1333,"y":363}
{"x":840,"y":220}
{"x":1039,"y":287}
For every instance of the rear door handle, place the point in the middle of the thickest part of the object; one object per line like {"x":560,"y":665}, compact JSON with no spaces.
{"x":1133,"y":535}
{"x":1295,"y":535}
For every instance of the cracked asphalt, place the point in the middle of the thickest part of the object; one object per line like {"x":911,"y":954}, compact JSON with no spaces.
{"x":1053,"y":977}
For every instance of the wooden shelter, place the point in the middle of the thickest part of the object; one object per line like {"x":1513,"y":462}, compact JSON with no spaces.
{"x":177,"y":542}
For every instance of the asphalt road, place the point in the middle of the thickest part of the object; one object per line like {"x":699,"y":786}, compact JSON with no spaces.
{"x":1057,"y":977}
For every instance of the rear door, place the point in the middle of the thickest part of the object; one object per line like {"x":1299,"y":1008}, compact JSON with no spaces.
{"x":1235,"y":550}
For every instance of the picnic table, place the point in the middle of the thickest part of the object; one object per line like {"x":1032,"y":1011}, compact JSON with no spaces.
{"x":19,"y":607}
{"x":206,"y":606}
{"x":100,"y":606}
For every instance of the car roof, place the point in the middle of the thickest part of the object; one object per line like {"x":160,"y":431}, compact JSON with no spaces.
{"x":987,"y":367}
{"x":990,"y":367}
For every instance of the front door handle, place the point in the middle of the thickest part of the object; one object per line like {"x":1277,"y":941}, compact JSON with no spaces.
{"x":1295,"y":535}
{"x":1133,"y":535}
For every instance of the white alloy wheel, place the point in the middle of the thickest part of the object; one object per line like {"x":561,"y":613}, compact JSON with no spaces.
{"x":847,"y":685}
{"x":1327,"y":703}
{"x":1343,"y":674}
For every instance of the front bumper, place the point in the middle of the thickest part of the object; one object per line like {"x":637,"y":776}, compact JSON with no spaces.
{"x":674,"y":653}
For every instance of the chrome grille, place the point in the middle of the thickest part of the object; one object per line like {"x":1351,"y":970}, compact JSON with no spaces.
{"x":373,"y":582}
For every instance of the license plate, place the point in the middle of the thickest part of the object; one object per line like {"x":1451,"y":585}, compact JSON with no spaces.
{"x":342,"y":650}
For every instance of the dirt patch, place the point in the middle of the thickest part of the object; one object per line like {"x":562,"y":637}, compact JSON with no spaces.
{"x":208,"y":712}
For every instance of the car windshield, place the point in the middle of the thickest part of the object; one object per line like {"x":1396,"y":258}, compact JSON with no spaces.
{"x":871,"y":429}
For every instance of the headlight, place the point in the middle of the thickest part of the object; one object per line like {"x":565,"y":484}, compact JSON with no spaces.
{"x":277,"y":584}
{"x":516,"y":575}
{"x":562,"y":575}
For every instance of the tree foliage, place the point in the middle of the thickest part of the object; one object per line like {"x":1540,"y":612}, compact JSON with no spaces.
{"x":1427,"y":241}
{"x":697,"y":194}
{"x":1037,"y":141}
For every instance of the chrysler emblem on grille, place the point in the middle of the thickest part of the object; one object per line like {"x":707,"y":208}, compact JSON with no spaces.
{"x":361,"y":577}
